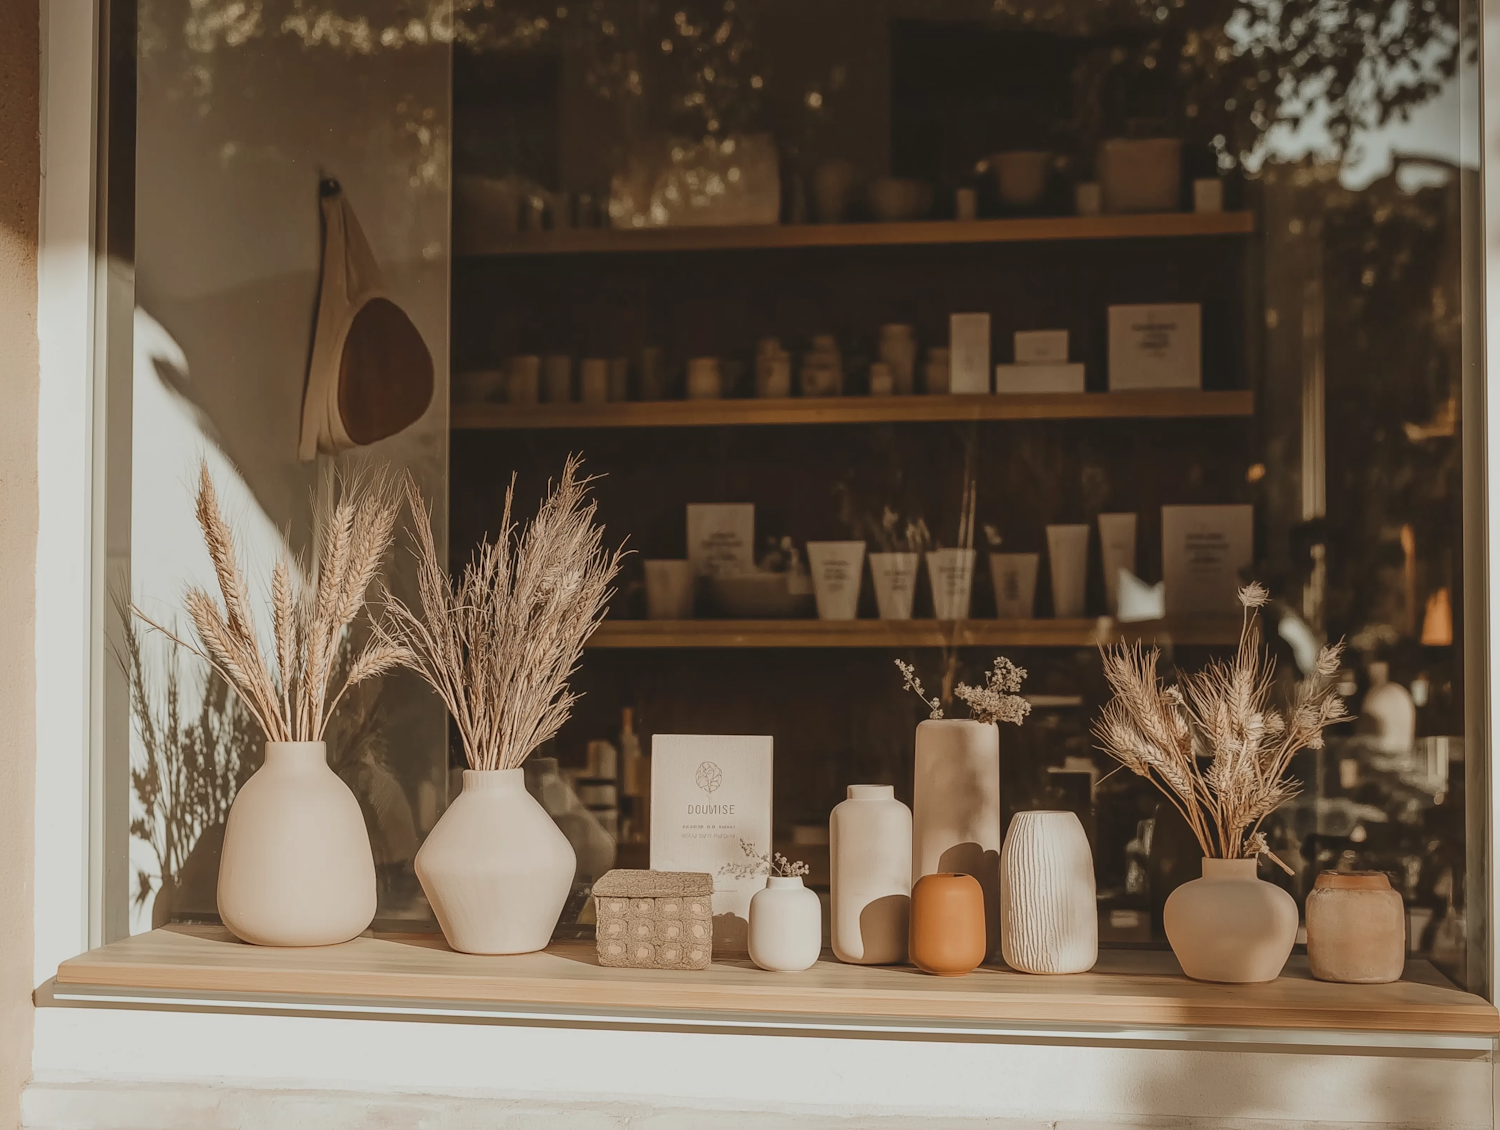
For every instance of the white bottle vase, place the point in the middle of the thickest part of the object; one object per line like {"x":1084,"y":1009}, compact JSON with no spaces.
{"x":1049,"y":920}
{"x":786,"y":926}
{"x":869,"y":837}
{"x":296,"y":867}
{"x":956,"y":808}
{"x":1229,"y":925}
{"x":496,"y":868}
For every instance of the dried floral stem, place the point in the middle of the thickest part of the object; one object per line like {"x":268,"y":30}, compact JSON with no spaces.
{"x":1214,"y":745}
{"x":290,"y":700}
{"x":499,"y":646}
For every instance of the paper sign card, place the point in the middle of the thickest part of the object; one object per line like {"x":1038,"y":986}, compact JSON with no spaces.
{"x":1155,"y":347}
{"x":969,"y":353}
{"x":1205,"y":551}
{"x":709,"y":793}
{"x":721,"y":538}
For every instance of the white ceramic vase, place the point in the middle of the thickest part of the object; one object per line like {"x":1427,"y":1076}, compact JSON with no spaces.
{"x":296,"y":867}
{"x":1049,"y":920}
{"x":1229,"y":925}
{"x":895,"y":576}
{"x":869,"y":837}
{"x":786,"y":926}
{"x":956,"y":807}
{"x":496,"y":868}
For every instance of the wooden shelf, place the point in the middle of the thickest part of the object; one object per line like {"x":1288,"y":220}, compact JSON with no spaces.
{"x":907,"y":633}
{"x":781,"y":236}
{"x":1126,"y":988}
{"x":1161,"y":404}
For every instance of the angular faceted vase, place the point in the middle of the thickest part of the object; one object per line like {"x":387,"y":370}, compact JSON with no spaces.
{"x":1229,"y":925}
{"x":296,"y":868}
{"x":496,"y":868}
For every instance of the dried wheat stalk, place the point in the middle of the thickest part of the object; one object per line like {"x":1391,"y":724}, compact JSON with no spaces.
{"x":499,"y":646}
{"x":1215,"y":745}
{"x":290,"y":696}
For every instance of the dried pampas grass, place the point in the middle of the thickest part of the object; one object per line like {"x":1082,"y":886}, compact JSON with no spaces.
{"x":288,"y":693}
{"x":500,"y":645}
{"x":1214,"y":744}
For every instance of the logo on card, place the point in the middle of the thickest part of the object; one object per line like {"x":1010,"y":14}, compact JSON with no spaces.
{"x":709,"y":777}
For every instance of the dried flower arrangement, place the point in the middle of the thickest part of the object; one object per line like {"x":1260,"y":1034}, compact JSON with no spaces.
{"x":499,"y":647}
{"x":1222,"y":716}
{"x":772,"y":864}
{"x":288,"y":693}
{"x":997,"y":700}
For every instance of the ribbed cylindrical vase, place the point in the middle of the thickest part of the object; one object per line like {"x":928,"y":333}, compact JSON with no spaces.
{"x":296,"y":868}
{"x":496,"y":868}
{"x":869,"y":837}
{"x":956,"y":808}
{"x":1049,"y":920}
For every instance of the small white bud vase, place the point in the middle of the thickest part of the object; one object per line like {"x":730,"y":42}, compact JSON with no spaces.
{"x":956,"y":808}
{"x":1049,"y":919}
{"x":786,"y":926}
{"x":869,"y":838}
{"x":1229,"y":925}
{"x":296,"y":867}
{"x":1356,"y":928}
{"x":496,"y":868}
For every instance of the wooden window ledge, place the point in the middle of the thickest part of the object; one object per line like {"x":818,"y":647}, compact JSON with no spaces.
{"x":1128,"y":988}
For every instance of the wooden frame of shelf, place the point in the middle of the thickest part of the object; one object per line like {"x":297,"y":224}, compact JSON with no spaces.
{"x":1126,"y":988}
{"x":916,"y":409}
{"x":914,"y":233}
{"x":662,"y":634}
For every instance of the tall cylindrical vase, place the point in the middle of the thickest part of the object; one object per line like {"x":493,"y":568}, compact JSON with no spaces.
{"x":496,"y":868}
{"x":296,"y":867}
{"x":956,"y":808}
{"x":869,"y":837}
{"x":1049,"y":919}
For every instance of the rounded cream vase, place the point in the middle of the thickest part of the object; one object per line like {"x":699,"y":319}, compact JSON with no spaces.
{"x":786,"y":926}
{"x":1356,"y":928}
{"x":1230,"y":926}
{"x":869,"y":838}
{"x":1049,"y":918}
{"x":956,"y":808}
{"x":296,"y":867}
{"x":496,"y":868}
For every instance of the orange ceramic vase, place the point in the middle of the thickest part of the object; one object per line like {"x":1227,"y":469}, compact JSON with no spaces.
{"x":947,"y":924}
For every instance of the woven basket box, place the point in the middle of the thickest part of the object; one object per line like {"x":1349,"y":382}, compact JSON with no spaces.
{"x":655,"y":919}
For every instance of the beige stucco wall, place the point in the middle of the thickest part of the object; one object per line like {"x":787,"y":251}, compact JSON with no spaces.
{"x":20,"y":182}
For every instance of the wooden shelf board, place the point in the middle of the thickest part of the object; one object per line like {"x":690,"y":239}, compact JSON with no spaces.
{"x":1156,"y":404}
{"x":1203,"y":631}
{"x":1128,"y":987}
{"x":782,"y":236}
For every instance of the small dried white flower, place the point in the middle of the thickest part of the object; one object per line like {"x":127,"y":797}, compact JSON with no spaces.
{"x":914,"y":684}
{"x":997,"y":700}
{"x":764,"y":863}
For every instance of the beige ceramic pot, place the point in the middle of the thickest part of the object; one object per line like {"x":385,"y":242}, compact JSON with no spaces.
{"x":496,"y":868}
{"x":296,"y":868}
{"x":1229,"y":925}
{"x":1356,"y":928}
{"x":1049,"y":916}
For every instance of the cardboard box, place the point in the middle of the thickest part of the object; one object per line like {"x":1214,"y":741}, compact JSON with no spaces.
{"x":1038,"y":378}
{"x":1205,"y":552}
{"x":709,"y":795}
{"x":969,"y":353}
{"x":1155,"y":347}
{"x":1041,"y":347}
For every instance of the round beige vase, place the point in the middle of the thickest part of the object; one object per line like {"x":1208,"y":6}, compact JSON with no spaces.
{"x":496,"y":868}
{"x":1356,"y":928}
{"x":1229,"y":925}
{"x":296,"y":868}
{"x":956,"y":808}
{"x":1049,"y":917}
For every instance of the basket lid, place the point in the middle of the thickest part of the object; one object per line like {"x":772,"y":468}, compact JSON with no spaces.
{"x":628,"y":883}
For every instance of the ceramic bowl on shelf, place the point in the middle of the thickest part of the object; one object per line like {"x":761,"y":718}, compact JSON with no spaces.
{"x":757,"y":596}
{"x":1021,"y":176}
{"x":1141,"y":174}
{"x":894,"y":199}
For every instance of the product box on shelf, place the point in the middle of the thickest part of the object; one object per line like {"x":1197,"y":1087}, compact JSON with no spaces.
{"x":721,"y":538}
{"x":1205,"y":552}
{"x":1041,"y":347}
{"x":1038,"y":378}
{"x":711,"y":796}
{"x":1158,"y":346}
{"x":969,"y":353}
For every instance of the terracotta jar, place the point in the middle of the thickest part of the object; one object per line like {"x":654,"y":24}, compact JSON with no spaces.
{"x":1229,"y":925}
{"x":947,"y":924}
{"x":1356,"y":928}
